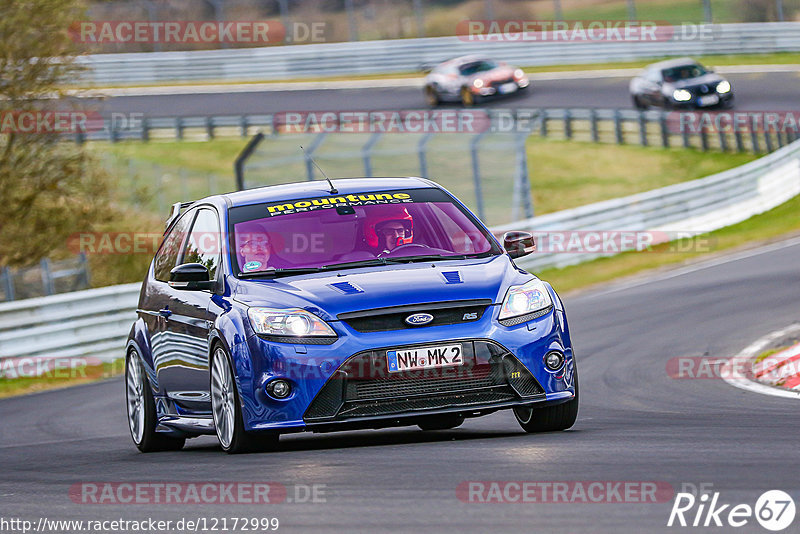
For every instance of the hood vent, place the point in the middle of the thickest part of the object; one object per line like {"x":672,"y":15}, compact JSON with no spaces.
{"x":347,"y":288}
{"x":452,"y":277}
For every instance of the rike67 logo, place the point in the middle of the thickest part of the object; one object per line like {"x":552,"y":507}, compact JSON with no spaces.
{"x":774,"y":510}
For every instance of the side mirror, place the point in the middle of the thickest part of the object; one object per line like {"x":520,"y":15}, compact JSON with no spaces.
{"x":518,"y":244}
{"x":191,"y":277}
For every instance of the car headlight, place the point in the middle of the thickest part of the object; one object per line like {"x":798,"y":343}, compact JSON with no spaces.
{"x":724,"y":87}
{"x":519,"y":73}
{"x":478,"y":83}
{"x":288,"y":322}
{"x":527,"y":298}
{"x":682,"y":95}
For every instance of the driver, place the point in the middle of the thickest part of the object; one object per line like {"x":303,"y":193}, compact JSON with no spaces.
{"x":255,"y":252}
{"x":388,"y":228}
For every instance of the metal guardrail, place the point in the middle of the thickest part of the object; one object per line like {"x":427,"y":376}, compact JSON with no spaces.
{"x":685,"y":209}
{"x":374,"y":57}
{"x":47,"y":278}
{"x":96,"y":322}
{"x":620,"y":126}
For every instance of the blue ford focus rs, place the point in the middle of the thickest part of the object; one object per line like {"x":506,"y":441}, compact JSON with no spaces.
{"x":303,"y":307}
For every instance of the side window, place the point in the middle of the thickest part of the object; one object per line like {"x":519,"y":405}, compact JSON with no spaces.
{"x":460,"y":241}
{"x":203,"y":243}
{"x":167,"y":256}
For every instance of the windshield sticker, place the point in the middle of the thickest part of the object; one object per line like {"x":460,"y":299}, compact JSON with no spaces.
{"x":252,"y":265}
{"x":338,"y":201}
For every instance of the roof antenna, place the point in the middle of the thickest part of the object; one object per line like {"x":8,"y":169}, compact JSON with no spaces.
{"x":333,"y":191}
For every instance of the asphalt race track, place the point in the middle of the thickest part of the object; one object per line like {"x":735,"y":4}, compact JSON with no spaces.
{"x":775,"y":91}
{"x":635,"y":424}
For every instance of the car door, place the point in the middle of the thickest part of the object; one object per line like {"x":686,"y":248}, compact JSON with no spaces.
{"x":155,"y":304}
{"x":184,"y":371}
{"x":651,"y":88}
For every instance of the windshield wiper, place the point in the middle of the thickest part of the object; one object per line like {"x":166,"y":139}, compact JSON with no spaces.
{"x":360,"y":263}
{"x":272,"y":271}
{"x":437,"y":257}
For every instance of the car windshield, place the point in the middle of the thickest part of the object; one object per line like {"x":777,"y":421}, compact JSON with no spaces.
{"x":343,"y":231}
{"x":468,"y":69}
{"x":684,"y":72}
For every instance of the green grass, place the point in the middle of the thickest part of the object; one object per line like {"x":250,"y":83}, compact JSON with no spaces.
{"x":775,"y":224}
{"x":567,"y":174}
{"x":563,"y":174}
{"x":57,"y":379}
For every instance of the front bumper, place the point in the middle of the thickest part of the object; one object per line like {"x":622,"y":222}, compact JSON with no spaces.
{"x":346,"y":383}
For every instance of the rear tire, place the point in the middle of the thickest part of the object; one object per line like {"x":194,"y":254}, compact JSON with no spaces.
{"x":549,"y":418}
{"x":441,"y":422}
{"x":431,"y":96}
{"x":226,"y":407}
{"x":141,"y":408}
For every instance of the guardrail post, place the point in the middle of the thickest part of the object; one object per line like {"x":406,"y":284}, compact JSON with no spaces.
{"x":723,"y":140}
{"x":367,"y":153}
{"x":642,"y":128}
{"x":618,"y":127}
{"x":47,"y":279}
{"x":308,"y":153}
{"x":422,"y":152}
{"x":593,"y":125}
{"x":210,"y":127}
{"x":145,"y":129}
{"x":8,"y":283}
{"x":543,"y":124}
{"x":523,"y":179}
{"x":567,"y":124}
{"x":687,"y":143}
{"x":80,"y":137}
{"x":179,"y":128}
{"x":476,"y":174}
{"x":83,"y":265}
{"x":112,"y":132}
{"x":754,"y":135}
{"x":704,"y":139}
{"x":768,"y":141}
{"x":779,"y":135}
{"x":662,"y":122}
{"x":737,"y":135}
{"x":243,"y":125}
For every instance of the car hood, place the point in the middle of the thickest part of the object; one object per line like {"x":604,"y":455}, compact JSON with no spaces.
{"x":329,"y":294}
{"x":494,"y":75}
{"x":711,"y":78}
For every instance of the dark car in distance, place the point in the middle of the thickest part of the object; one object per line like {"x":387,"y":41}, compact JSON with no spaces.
{"x":680,"y":83}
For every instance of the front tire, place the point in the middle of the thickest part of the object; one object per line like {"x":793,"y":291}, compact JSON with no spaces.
{"x":467,"y":98}
{"x":142,"y":417}
{"x":638,"y":104}
{"x":226,"y":407}
{"x":549,"y":418}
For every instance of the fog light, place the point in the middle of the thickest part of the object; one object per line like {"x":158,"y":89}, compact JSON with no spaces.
{"x":279,"y":389}
{"x":554,"y":360}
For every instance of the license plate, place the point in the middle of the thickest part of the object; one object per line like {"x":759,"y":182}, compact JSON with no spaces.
{"x":709,"y":100}
{"x":424,"y":357}
{"x":509,"y":87}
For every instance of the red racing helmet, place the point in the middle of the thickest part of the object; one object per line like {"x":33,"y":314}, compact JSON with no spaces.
{"x":379,"y":216}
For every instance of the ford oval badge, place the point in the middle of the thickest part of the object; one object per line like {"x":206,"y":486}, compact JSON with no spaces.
{"x":419,"y":319}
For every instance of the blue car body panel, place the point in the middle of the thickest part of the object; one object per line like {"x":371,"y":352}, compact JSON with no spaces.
{"x":179,"y":375}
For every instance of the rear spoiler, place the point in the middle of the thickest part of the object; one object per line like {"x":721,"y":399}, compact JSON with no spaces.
{"x":174,"y":213}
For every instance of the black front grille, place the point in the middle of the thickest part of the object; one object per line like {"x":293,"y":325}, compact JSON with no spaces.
{"x":498,"y":83}
{"x":363,"y":386}
{"x":394,"y":318}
